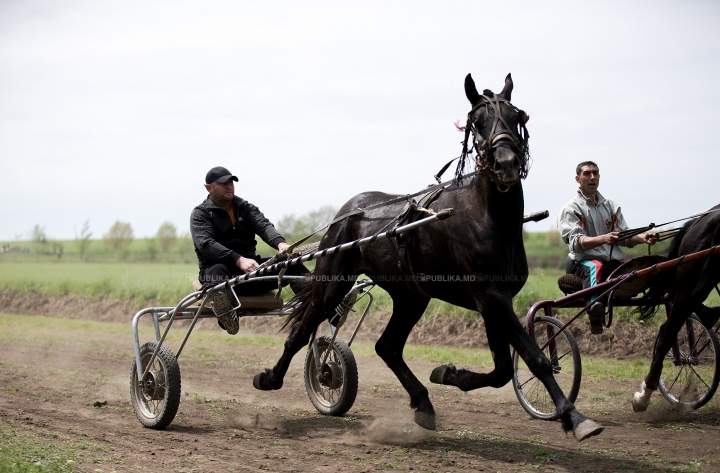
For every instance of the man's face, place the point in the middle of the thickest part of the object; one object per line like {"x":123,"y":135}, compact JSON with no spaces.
{"x":589,"y":179}
{"x":221,"y":193}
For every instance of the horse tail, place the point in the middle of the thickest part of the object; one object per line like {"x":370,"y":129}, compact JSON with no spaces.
{"x":663,"y":282}
{"x":301,"y":299}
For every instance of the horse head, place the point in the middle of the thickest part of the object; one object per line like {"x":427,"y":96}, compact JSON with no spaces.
{"x":500,"y":138}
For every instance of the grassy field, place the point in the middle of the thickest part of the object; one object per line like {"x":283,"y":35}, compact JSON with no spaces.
{"x":168,"y":283}
{"x":165,"y":277}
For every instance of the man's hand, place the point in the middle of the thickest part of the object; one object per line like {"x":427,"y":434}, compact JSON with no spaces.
{"x":611,"y":238}
{"x":246,"y":265}
{"x":593,"y":242}
{"x":648,"y":238}
{"x":282,"y":247}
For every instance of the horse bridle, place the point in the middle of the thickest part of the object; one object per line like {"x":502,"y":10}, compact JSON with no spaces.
{"x":484,"y":148}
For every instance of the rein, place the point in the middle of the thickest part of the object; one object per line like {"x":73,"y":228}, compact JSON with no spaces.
{"x":361,"y":210}
{"x":662,"y":236}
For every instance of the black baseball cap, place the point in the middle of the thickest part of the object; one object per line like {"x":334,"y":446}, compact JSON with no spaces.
{"x":219,"y":174}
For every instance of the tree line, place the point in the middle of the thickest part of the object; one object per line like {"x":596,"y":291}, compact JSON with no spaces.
{"x":120,"y":236}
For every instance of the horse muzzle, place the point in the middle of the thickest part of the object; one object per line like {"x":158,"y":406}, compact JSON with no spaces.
{"x":506,"y":166}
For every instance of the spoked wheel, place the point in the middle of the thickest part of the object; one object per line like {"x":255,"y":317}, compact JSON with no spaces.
{"x":156,"y":398}
{"x":564,"y":356}
{"x":690,"y":369}
{"x":333,"y":387}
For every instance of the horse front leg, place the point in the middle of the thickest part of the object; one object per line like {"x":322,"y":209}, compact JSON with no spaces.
{"x":581,"y":426}
{"x":467,"y":380}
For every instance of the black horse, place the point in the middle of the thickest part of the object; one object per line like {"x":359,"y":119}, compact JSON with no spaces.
{"x":687,"y":287}
{"x":474,"y":260}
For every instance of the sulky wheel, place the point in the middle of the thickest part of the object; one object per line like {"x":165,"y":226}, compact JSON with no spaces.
{"x":690,"y":369}
{"x":564,"y":356}
{"x":332,"y":388}
{"x":156,"y":398}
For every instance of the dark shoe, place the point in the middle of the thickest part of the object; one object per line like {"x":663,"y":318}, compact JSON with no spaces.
{"x":227,"y":318}
{"x":596,"y":314}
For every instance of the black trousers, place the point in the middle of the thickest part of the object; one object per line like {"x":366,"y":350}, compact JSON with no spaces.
{"x":221,"y":272}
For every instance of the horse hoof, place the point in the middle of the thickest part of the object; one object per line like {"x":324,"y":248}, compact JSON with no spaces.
{"x":641,"y":399}
{"x":425,"y":420}
{"x":587,"y":429}
{"x":441,"y":374}
{"x":637,"y":404}
{"x":257,"y":382}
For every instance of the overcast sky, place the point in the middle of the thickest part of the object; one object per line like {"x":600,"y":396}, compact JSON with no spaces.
{"x":116,"y":110}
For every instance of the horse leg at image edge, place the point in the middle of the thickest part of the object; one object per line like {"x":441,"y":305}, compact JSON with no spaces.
{"x":667,"y":335}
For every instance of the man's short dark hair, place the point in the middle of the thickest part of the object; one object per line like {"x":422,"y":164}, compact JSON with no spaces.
{"x":579,"y":167}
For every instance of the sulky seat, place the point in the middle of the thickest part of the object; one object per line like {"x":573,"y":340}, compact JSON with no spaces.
{"x":266,"y":301}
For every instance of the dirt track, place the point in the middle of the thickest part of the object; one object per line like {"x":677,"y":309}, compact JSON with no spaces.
{"x":49,"y":381}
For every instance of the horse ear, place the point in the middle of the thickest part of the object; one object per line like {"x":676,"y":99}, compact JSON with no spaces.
{"x":507,"y":90}
{"x":471,"y":91}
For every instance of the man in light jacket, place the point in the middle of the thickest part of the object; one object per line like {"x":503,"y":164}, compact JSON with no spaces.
{"x":590,"y":225}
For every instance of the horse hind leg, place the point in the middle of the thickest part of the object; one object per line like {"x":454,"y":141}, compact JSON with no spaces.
{"x":666,"y":338}
{"x":407,"y":311}
{"x":300,"y":333}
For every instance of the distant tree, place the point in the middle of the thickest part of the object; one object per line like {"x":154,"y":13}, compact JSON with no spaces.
{"x":166,"y":235}
{"x":39,"y":235}
{"x":39,"y":238}
{"x":185,"y":244}
{"x":57,"y":249}
{"x":293,"y":228}
{"x":119,"y":237}
{"x":151,"y":247}
{"x":83,"y":238}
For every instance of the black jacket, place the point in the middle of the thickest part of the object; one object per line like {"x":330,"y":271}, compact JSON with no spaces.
{"x":215,"y":238}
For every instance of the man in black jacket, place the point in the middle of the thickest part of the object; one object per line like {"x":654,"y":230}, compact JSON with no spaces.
{"x":223,"y":229}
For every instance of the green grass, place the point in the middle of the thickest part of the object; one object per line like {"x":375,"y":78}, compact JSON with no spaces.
{"x":24,"y":450}
{"x":166,"y":283}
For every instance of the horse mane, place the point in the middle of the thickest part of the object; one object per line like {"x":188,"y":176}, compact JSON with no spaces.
{"x":663,"y":281}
